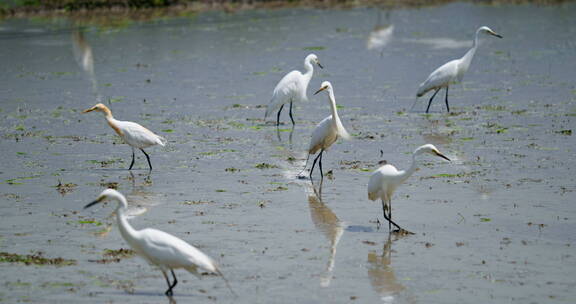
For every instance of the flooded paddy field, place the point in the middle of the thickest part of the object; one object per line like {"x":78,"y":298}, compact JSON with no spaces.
{"x":494,"y":225}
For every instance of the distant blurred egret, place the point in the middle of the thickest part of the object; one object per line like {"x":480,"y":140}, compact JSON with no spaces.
{"x":381,"y":35}
{"x":327,"y":131}
{"x":159,"y":248}
{"x":292,"y":87}
{"x":132,"y":133}
{"x":451,"y":72}
{"x":386,"y":179}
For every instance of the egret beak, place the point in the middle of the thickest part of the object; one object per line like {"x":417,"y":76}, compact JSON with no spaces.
{"x":88,"y":110}
{"x":441,"y":155}
{"x":95,"y":202}
{"x":318,"y":63}
{"x":321,"y":89}
{"x":497,"y":35}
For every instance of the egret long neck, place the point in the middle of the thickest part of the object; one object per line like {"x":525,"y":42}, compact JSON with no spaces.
{"x":413,"y":168}
{"x":128,"y":233}
{"x":309,"y":71}
{"x":467,"y":58}
{"x":113,"y":123}
{"x":333,"y":109}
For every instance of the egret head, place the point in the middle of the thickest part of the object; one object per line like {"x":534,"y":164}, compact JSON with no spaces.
{"x":99,"y":107}
{"x":487,"y":30}
{"x":108,"y":194}
{"x":312,"y":58}
{"x":326,"y":85}
{"x":430,"y":149}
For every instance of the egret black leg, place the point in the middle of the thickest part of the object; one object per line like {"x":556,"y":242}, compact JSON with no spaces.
{"x":175,"y":279}
{"x":390,"y":212}
{"x":278,"y":116}
{"x":390,"y":222}
{"x":446,"y":100}
{"x":387,"y":217}
{"x":132,"y":163}
{"x":431,"y":98}
{"x":314,"y":164}
{"x":320,"y":163}
{"x":169,"y":290}
{"x":147,"y":158}
{"x":291,"y":118}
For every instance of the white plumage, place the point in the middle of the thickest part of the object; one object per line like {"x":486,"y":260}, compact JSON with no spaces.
{"x":327,"y":131}
{"x":292,"y":87}
{"x":135,"y":135}
{"x":159,"y":248}
{"x":385,"y":180}
{"x":451,"y":72}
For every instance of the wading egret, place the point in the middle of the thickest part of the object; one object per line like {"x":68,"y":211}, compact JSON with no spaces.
{"x":387,"y":178}
{"x":451,"y":72}
{"x":135,"y":135}
{"x":292,"y":87}
{"x":327,"y":131}
{"x":159,"y":248}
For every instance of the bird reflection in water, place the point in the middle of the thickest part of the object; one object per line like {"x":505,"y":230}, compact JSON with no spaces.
{"x":139,"y":195}
{"x":381,"y":35}
{"x":171,"y":300}
{"x":381,"y":274}
{"x":278,"y":131}
{"x":328,"y":224}
{"x":85,"y":60}
{"x":142,"y":200}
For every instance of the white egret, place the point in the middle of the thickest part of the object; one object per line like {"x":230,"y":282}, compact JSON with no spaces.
{"x":386,"y":179}
{"x":159,"y":248}
{"x":292,"y":87}
{"x":452,"y":71}
{"x":85,"y":59}
{"x":135,"y":135}
{"x":381,"y":35}
{"x":327,"y":131}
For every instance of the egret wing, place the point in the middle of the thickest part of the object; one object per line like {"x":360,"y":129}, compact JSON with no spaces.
{"x":320,"y":135}
{"x":162,"y":248}
{"x":383,"y":181}
{"x":374,"y":185}
{"x":286,"y":89}
{"x":441,"y":77}
{"x":137,"y":135}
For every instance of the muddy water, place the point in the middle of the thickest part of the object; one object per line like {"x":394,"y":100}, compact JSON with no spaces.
{"x":496,"y":224}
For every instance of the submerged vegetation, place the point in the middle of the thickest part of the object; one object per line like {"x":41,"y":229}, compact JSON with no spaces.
{"x":34,"y":259}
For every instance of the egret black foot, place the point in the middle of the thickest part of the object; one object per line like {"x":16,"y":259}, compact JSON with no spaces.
{"x":402,"y":232}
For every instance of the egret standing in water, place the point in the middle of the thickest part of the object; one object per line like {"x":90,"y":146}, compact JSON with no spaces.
{"x":386,"y":179}
{"x":135,"y":135}
{"x":159,"y":248}
{"x":292,"y":87}
{"x":327,"y":131}
{"x":451,"y":72}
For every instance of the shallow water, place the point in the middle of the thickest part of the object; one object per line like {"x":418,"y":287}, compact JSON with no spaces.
{"x":496,"y":224}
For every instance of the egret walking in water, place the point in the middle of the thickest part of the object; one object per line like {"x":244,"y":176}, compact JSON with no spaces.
{"x":159,"y":248}
{"x":327,"y":131}
{"x":386,"y":179}
{"x":135,"y":135}
{"x":292,"y":87}
{"x":451,"y":72}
